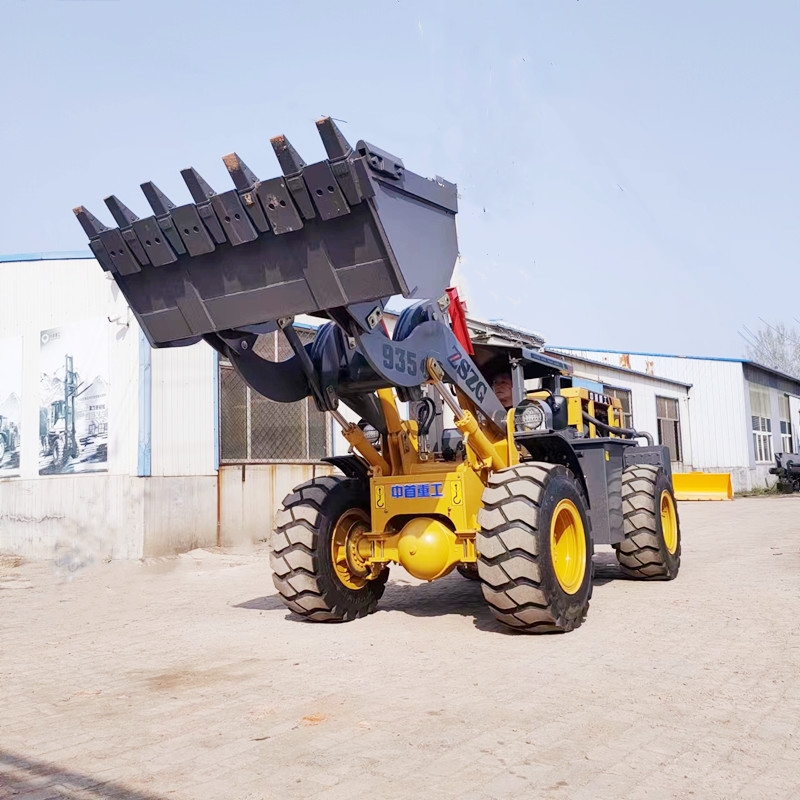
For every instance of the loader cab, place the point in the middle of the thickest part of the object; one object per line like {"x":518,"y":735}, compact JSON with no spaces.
{"x":536,"y":379}
{"x":534,"y":376}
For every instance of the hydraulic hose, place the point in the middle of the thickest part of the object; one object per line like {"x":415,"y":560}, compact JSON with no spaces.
{"x":629,"y":432}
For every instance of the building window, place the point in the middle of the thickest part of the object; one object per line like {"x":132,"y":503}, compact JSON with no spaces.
{"x":669,"y":426}
{"x":786,"y":425}
{"x":762,"y":438}
{"x":253,"y":428}
{"x":624,"y":396}
{"x":761,"y":422}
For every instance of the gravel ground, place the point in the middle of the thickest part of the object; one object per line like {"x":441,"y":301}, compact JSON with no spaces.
{"x":185,"y":677}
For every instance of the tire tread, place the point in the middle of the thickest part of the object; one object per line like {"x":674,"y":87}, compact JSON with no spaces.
{"x":641,"y":554}
{"x":508,"y":552}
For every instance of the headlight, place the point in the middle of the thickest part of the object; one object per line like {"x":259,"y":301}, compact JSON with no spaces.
{"x":532,"y":416}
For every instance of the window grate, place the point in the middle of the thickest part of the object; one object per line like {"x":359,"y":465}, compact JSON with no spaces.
{"x":255,"y":429}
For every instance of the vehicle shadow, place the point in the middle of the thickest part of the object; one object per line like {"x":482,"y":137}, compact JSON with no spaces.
{"x":606,"y":568}
{"x":29,"y":777}
{"x":452,"y":594}
{"x":270,"y":602}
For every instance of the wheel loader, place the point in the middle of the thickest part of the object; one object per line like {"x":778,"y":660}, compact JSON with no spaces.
{"x":516,"y":497}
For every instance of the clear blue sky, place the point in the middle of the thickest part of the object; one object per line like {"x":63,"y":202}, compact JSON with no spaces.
{"x":628,"y":171}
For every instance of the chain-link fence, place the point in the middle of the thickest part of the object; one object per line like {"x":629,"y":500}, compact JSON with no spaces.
{"x":253,"y":428}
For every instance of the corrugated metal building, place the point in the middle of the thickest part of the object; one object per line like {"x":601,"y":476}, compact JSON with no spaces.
{"x":735,"y":416}
{"x":145,"y":479}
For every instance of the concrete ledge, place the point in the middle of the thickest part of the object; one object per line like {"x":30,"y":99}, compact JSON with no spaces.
{"x":89,"y":518}
{"x":180,"y":514}
{"x":250,"y":494}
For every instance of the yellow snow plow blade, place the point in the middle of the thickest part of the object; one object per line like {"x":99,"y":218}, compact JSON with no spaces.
{"x":702,"y":486}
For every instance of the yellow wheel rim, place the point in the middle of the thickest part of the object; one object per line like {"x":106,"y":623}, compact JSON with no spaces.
{"x":669,"y":522}
{"x":568,"y":546}
{"x":349,"y":549}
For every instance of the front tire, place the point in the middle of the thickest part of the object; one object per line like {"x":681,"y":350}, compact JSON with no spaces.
{"x":316,"y":566}
{"x":651,"y":547}
{"x":535,"y":548}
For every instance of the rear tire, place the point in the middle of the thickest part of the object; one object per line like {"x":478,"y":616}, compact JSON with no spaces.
{"x":305,"y":574}
{"x":651,"y":548}
{"x":535,"y":548}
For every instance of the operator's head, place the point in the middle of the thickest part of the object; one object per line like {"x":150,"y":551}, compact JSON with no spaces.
{"x":501,"y":386}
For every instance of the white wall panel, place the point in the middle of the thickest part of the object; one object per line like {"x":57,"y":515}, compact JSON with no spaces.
{"x":37,"y":295}
{"x":183,"y":423}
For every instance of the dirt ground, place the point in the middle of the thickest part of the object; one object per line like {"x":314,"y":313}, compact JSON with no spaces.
{"x":185,"y":677}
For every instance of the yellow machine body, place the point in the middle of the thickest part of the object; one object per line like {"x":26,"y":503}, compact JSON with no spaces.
{"x":424,"y":512}
{"x":606,"y":409}
{"x":426,"y":521}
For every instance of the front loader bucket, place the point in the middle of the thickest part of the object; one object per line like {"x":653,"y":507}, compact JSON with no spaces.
{"x":353,"y":229}
{"x":702,"y":485}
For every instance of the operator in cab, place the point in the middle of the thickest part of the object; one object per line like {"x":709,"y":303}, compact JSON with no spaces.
{"x":502,"y":386}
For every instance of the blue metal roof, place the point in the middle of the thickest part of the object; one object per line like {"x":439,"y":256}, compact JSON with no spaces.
{"x":654,"y":355}
{"x":672,"y":355}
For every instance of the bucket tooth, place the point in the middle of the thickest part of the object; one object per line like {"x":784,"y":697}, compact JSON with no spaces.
{"x":343,"y":162}
{"x":91,"y":225}
{"x":102,"y":255}
{"x":123,"y":216}
{"x":336,"y":146}
{"x":162,"y":205}
{"x":292,"y":166}
{"x":122,"y":259}
{"x":157,"y":246}
{"x":234,"y":219}
{"x":276,"y":200}
{"x":200,"y":191}
{"x":159,"y":202}
{"x":211,"y":222}
{"x":243,"y":177}
{"x":325,"y":191}
{"x":193,"y":230}
{"x":246,"y":182}
{"x":288,"y":157}
{"x":109,"y":245}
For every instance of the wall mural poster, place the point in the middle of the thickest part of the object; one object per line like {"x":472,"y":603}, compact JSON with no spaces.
{"x":73,"y":411}
{"x":10,"y":405}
